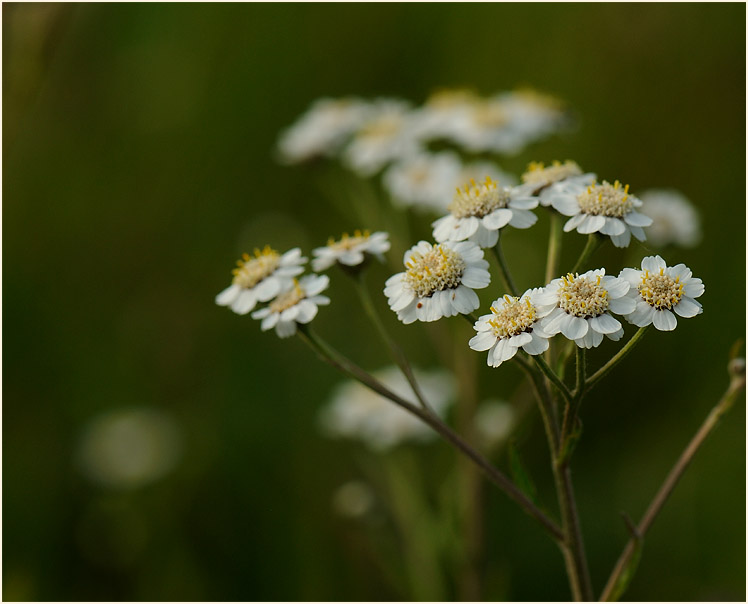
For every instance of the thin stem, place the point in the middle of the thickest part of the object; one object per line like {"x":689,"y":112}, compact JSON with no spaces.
{"x":615,"y":586}
{"x":594,"y":241}
{"x":506,"y":276}
{"x":620,"y":355}
{"x":554,"y":248}
{"x":551,"y":375}
{"x":572,"y":410}
{"x":397,"y":354}
{"x":333,"y":358}
{"x":545,"y":403}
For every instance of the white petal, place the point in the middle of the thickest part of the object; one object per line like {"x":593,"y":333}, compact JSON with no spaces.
{"x":574,"y":327}
{"x":591,"y":224}
{"x":664,"y":320}
{"x":464,"y":228}
{"x":552,"y":323}
{"x":638,"y":219}
{"x":523,"y":219}
{"x":615,"y":286}
{"x":484,"y":237}
{"x":520,"y":339}
{"x":268,"y":288}
{"x":687,"y":307}
{"x":351,"y":258}
{"x":693,"y":288}
{"x":613,"y":226}
{"x":679,"y":271}
{"x":402,"y":300}
{"x":482,"y":341}
{"x":476,"y":278}
{"x":605,"y":324}
{"x":443,"y":227}
{"x":290,"y":314}
{"x":622,"y":306}
{"x":574,"y":222}
{"x":285,"y":329}
{"x":566,"y":204}
{"x":632,"y":276}
{"x":638,"y":232}
{"x":523,"y":203}
{"x":228,"y":295}
{"x":465,"y":300}
{"x":622,"y":240}
{"x":537,"y":345}
{"x":653,"y":264}
{"x":269,"y":321}
{"x":497,"y":219}
{"x":307,"y":311}
{"x":244,"y":303}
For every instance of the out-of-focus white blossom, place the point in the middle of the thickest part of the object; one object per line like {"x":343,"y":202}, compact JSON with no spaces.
{"x":675,"y":220}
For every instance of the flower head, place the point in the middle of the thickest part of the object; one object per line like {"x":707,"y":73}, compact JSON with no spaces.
{"x":674,"y":219}
{"x":438,"y":282}
{"x":659,"y":290}
{"x":579,"y":307}
{"x":421,"y":179}
{"x":514,"y":323}
{"x":350,"y":251}
{"x":295,"y":305}
{"x":260,"y":277}
{"x":604,"y":207}
{"x":325,"y":126}
{"x":477,"y":213}
{"x":355,"y":411}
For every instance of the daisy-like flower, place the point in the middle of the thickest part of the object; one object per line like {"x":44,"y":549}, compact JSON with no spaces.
{"x":539,"y":179}
{"x":659,"y":290}
{"x":514,"y":323}
{"x":322,"y":130}
{"x":384,"y":136}
{"x":534,"y":115}
{"x":350,"y":251}
{"x":296,"y":305}
{"x":421,"y":179}
{"x":485,"y":125}
{"x":355,"y":411}
{"x":579,"y":307}
{"x":605,"y":208}
{"x":260,"y":278}
{"x":674,"y":218}
{"x":477,"y":213}
{"x":438,"y":282}
{"x":442,"y":112}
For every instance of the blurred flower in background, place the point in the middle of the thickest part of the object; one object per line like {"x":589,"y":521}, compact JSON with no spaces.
{"x":353,"y":499}
{"x":675,"y":219}
{"x":494,"y":421}
{"x":129,"y":448}
{"x":356,"y":412}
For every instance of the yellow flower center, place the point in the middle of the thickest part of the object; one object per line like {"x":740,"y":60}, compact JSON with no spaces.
{"x":439,"y":268}
{"x":606,"y":200}
{"x":447,"y":99}
{"x":489,"y":114}
{"x":659,"y":290}
{"x":582,"y":297}
{"x":538,"y":174}
{"x":288,"y":299}
{"x":382,"y":127}
{"x":478,"y":200}
{"x":251,"y":271}
{"x":347,"y":242}
{"x":515,"y":317}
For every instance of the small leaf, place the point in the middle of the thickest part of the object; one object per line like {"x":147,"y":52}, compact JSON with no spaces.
{"x":520,"y":474}
{"x":570,"y":444}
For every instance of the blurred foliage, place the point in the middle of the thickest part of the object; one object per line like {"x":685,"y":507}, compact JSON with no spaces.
{"x":138,"y":164}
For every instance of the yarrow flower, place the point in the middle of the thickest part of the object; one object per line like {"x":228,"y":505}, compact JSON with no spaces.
{"x":296,"y":305}
{"x":514,"y":323}
{"x":355,"y":411}
{"x":260,"y":278}
{"x":540,"y":179}
{"x":579,"y":307}
{"x":422,"y":178}
{"x":350,"y":251}
{"x":607,"y":208}
{"x":438,"y":282}
{"x":477,"y":213}
{"x":674,"y":219}
{"x":659,"y":290}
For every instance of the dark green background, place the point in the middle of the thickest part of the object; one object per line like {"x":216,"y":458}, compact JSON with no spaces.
{"x":138,"y":163}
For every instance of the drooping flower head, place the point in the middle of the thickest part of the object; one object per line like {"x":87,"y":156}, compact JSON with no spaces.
{"x":514,"y":323}
{"x":260,"y":277}
{"x":674,"y":219}
{"x":357,"y":412}
{"x":478,"y":211}
{"x":659,"y":290}
{"x":438,"y":282}
{"x":579,"y":307}
{"x":299,"y":304}
{"x":601,"y":207}
{"x":350,"y":251}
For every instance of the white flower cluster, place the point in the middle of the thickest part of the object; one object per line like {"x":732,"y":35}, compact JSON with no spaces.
{"x":369,"y":136}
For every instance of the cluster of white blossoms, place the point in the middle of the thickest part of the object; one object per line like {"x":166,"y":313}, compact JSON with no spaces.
{"x":392,"y":137}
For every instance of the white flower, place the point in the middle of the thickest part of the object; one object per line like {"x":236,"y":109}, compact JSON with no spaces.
{"x":674,"y":219}
{"x":384,"y":136}
{"x":422,"y":179}
{"x":322,"y":130}
{"x":442,"y":112}
{"x":607,"y":208}
{"x":485,"y":125}
{"x":659,"y":290}
{"x":478,"y":170}
{"x":260,"y":278}
{"x":297,"y":305}
{"x":532,"y":114}
{"x":543,"y":180}
{"x":514,"y":323}
{"x":350,"y":251}
{"x":580,"y":307}
{"x":477,"y":213}
{"x":494,"y":421}
{"x":355,"y":411}
{"x":438,"y":282}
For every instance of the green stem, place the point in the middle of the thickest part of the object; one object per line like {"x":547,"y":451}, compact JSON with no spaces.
{"x":506,"y":276}
{"x":572,"y":409}
{"x":594,"y":241}
{"x":551,"y":375}
{"x":605,"y":369}
{"x":623,"y":571}
{"x":554,"y":248}
{"x":397,"y":354}
{"x":336,"y":360}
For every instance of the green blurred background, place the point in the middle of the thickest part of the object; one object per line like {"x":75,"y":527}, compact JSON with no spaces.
{"x":138,"y":163}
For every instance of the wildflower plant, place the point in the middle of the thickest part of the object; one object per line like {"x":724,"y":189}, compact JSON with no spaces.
{"x":542,"y":330}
